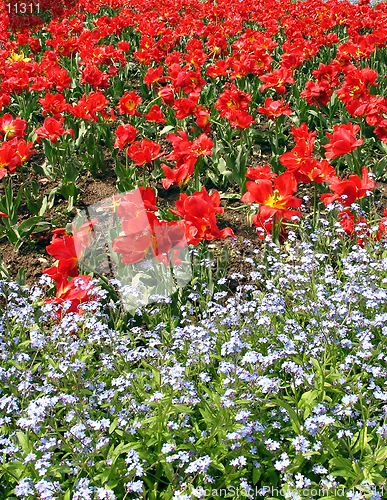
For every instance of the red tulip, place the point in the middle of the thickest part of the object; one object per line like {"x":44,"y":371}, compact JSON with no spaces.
{"x":52,"y":129}
{"x":199,"y":210}
{"x":9,"y":159}
{"x":258,"y":172}
{"x":12,"y":127}
{"x":128,"y":104}
{"x":144,"y":152}
{"x":125,"y":134}
{"x":167,"y":95}
{"x":76,"y":291}
{"x":181,"y":173}
{"x":155,"y":115}
{"x":274,"y":109}
{"x":277,"y":79}
{"x":343,"y":140}
{"x":275,"y":201}
{"x":348,"y":191}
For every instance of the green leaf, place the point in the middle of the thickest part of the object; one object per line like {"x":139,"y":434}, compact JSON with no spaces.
{"x":230,"y":196}
{"x":70,"y":203}
{"x":306,"y":402}
{"x":105,"y":475}
{"x":21,"y":277}
{"x":26,"y":227}
{"x":67,"y":495}
{"x":292,"y":415}
{"x":16,"y":364}
{"x":381,"y":455}
{"x":256,"y":475}
{"x":344,"y":467}
{"x":81,"y":133}
{"x":169,"y":471}
{"x":16,"y":468}
{"x":113,"y":426}
{"x":380,"y":168}
{"x":167,"y":129}
{"x":23,"y":441}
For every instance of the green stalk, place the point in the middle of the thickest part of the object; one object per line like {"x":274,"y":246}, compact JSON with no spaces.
{"x":315,"y":206}
{"x":356,"y":164}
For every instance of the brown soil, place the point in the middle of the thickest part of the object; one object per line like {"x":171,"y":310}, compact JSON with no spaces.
{"x":33,"y":257}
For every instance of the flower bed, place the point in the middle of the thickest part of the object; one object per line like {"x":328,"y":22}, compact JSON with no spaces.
{"x":193,"y":222}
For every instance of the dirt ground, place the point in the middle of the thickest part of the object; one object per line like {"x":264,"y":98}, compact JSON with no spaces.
{"x":33,"y":257}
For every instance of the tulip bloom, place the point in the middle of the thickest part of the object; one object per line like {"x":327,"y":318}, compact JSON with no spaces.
{"x":317,"y":92}
{"x":217,"y":69}
{"x":95,"y":77}
{"x":186,"y":106}
{"x":259,"y":172}
{"x":67,"y":248}
{"x":356,"y":84}
{"x":128,"y":104}
{"x":239,"y":119}
{"x":75,"y":291}
{"x":125,"y":134}
{"x":266,"y":226}
{"x":145,"y":233}
{"x":275,"y":201}
{"x":52,"y":129}
{"x":167,"y":95}
{"x":54,"y":104}
{"x":9,"y":159}
{"x":348,"y":191}
{"x":277,"y":80}
{"x":302,"y":132}
{"x":153,"y":75}
{"x":144,"y":152}
{"x":361,"y":230}
{"x":274,"y":109}
{"x":383,"y":222}
{"x":342,"y":141}
{"x":155,"y":115}
{"x":315,"y":171}
{"x":129,"y":205}
{"x":199,"y":210}
{"x":138,"y":238}
{"x":232,"y":99}
{"x":12,"y":127}
{"x":24,"y":149}
{"x":203,"y":117}
{"x":182,"y":147}
{"x":202,"y":146}
{"x":299,"y":160}
{"x":181,"y":174}
{"x":302,"y":152}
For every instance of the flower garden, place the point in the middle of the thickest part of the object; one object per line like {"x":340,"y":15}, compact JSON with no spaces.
{"x":193,"y":231}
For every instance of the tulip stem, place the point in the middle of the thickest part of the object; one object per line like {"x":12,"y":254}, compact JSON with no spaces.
{"x":315,"y":206}
{"x":276,"y":136}
{"x":197,"y":177}
{"x":356,"y":164}
{"x":276,"y":230}
{"x":144,"y":175}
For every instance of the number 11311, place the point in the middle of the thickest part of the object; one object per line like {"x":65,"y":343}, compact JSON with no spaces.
{"x":22,"y":8}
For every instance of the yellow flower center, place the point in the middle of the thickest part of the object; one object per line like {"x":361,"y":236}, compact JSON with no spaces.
{"x":275,"y":200}
{"x":18,"y":57}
